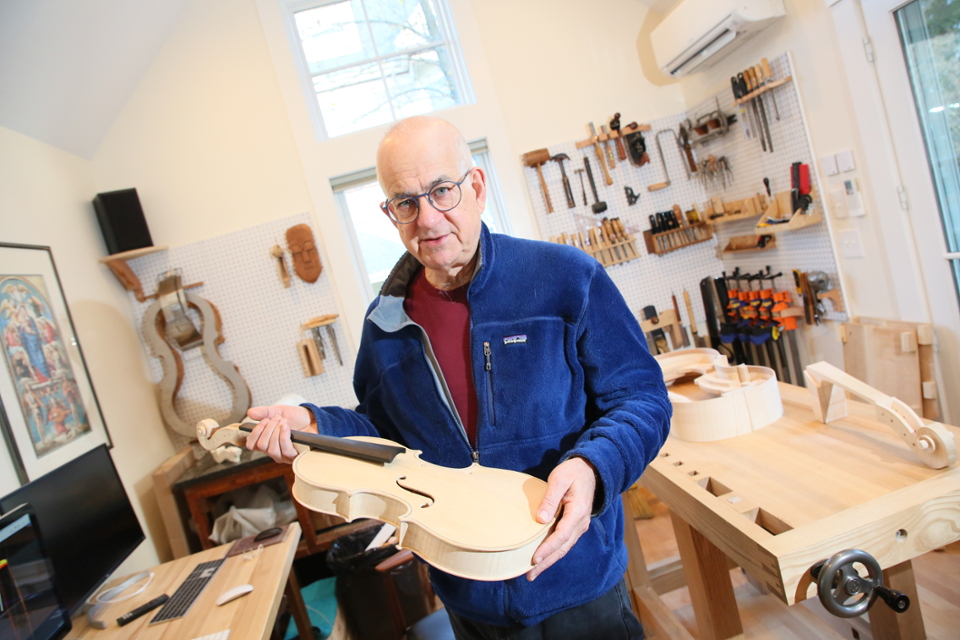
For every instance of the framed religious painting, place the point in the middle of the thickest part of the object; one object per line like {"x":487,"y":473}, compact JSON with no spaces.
{"x":49,"y":412}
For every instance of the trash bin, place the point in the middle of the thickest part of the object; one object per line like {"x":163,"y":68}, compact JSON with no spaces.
{"x":369,"y":598}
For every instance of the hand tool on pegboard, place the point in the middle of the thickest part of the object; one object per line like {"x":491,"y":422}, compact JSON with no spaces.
{"x":598,"y":205}
{"x":658,"y":336}
{"x":607,"y":148}
{"x":582,"y":188}
{"x":744,"y":90}
{"x":767,"y":76}
{"x":754,"y":84}
{"x":537,"y":159}
{"x":698,"y":340}
{"x":744,"y":117}
{"x":769,"y":304}
{"x":615,"y":127}
{"x":596,"y":146}
{"x":683,"y":330}
{"x":683,"y":139}
{"x":663,"y":162}
{"x":567,"y":191}
{"x":636,"y":144}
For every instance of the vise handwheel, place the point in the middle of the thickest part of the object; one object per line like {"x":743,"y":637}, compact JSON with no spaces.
{"x":838,"y":582}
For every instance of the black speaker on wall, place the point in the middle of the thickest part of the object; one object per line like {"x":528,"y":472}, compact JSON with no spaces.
{"x":121,"y":221}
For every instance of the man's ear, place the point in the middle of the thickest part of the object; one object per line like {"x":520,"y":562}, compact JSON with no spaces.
{"x":478,"y":182}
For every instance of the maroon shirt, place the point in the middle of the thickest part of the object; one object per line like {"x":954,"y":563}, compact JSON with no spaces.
{"x":445,"y":316}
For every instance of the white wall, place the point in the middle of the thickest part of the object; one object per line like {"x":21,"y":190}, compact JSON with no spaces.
{"x":45,"y":199}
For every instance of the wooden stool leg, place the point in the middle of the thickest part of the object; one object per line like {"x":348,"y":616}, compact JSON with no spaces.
{"x":708,"y":578}
{"x":297,"y":608}
{"x":885,"y":623}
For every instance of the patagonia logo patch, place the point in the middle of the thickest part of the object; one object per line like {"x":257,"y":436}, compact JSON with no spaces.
{"x":515,"y":340}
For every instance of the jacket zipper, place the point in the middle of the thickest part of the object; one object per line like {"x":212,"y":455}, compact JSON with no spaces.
{"x":488,"y":367}
{"x":431,"y":360}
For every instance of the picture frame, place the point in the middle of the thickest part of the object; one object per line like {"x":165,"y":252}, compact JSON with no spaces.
{"x":49,"y":410}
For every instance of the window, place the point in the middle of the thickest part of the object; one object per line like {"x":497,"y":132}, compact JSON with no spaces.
{"x":368,"y":62}
{"x":377,"y":245}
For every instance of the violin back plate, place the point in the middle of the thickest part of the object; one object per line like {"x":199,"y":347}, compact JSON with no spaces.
{"x":476,"y":522}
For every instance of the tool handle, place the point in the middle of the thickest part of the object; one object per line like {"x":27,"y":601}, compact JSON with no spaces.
{"x":765,"y":66}
{"x":543,"y":187}
{"x":693,"y":322}
{"x":603,"y":165}
{"x":593,"y":185}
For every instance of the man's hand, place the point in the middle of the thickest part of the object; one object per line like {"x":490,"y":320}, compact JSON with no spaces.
{"x":272,"y":435}
{"x":571,"y":485}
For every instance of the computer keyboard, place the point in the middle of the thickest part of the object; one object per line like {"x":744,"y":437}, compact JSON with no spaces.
{"x":188,"y":591}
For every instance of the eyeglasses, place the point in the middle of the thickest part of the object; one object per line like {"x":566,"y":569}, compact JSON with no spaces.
{"x":443,"y":196}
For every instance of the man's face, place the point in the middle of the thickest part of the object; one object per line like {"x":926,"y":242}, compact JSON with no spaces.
{"x":411,"y":163}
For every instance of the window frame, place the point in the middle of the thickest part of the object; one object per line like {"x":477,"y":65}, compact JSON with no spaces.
{"x":452,"y":41}
{"x":339,"y":184}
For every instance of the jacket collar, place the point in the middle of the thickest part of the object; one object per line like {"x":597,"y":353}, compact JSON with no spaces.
{"x":388,"y":313}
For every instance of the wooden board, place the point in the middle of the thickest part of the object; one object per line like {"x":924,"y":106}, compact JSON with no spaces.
{"x":173,"y":514}
{"x":880,"y":353}
{"x":778,"y":500}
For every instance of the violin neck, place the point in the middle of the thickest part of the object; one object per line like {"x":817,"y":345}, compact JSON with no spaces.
{"x":371,"y":451}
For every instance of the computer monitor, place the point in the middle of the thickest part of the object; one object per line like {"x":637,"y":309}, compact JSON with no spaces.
{"x":87,"y":521}
{"x":30,"y":607}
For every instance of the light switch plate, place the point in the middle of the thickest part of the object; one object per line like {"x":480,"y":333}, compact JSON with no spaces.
{"x":838,"y":204}
{"x":845,"y":160}
{"x":829,"y":165}
{"x":850,"y":244}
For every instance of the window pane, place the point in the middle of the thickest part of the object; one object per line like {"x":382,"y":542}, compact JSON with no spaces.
{"x":379,"y":240}
{"x":421,"y":82}
{"x":352,"y":99}
{"x":930,"y":33}
{"x":403,"y":24}
{"x":334,"y":35}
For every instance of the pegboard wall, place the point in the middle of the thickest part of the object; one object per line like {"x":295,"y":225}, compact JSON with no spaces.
{"x":652,"y":279}
{"x":260,"y":322}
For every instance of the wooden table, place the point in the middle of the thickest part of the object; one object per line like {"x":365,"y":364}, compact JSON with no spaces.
{"x":250,"y":617}
{"x":780,"y":499}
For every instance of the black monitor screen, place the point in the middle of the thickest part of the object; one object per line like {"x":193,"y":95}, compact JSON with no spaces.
{"x":29,"y":606}
{"x":87,"y":521}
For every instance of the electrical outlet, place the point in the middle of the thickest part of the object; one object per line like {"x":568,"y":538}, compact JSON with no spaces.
{"x":850,"y":244}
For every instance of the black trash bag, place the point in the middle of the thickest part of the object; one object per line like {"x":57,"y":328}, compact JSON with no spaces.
{"x":348,"y":553}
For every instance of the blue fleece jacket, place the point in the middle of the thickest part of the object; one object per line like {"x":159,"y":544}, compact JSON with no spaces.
{"x":561,"y":369}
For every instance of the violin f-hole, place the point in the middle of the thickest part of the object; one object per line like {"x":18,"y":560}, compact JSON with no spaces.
{"x":416,"y":491}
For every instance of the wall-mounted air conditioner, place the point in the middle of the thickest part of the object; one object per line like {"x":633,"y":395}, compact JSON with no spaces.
{"x":697,"y":33}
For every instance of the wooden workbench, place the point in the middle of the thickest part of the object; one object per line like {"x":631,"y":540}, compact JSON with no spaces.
{"x":778,"y":500}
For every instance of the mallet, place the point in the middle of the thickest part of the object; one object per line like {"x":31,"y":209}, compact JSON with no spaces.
{"x":536,"y":159}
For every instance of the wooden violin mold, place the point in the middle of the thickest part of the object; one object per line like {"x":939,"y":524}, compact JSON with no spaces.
{"x":732,"y":400}
{"x":475,"y":522}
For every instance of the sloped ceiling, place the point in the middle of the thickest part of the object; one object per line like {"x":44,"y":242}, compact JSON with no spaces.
{"x":67,"y":67}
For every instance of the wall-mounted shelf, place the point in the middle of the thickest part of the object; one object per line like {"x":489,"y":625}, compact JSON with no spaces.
{"x":745,"y":244}
{"x":667,"y":241}
{"x":118,"y":265}
{"x":609,"y":243}
{"x":779,"y":209}
{"x":735,"y":209}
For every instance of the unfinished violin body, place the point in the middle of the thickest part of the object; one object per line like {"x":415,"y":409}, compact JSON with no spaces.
{"x":476,"y":522}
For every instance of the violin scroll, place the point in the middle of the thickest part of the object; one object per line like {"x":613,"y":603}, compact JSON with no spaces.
{"x":212,"y":436}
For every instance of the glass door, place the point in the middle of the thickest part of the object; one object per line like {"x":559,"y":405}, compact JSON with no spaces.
{"x":930,"y":36}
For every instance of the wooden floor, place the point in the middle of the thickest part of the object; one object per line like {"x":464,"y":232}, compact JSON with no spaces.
{"x":766,"y":617}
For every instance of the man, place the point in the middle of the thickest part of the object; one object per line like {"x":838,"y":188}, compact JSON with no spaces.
{"x":514,"y":354}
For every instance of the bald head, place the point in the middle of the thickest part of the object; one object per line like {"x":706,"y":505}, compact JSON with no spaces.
{"x":400,"y":143}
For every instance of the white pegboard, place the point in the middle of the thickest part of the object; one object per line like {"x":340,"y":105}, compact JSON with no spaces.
{"x":652,"y":279}
{"x":260,"y":321}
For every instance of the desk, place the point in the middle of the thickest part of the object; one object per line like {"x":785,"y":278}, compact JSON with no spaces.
{"x":780,"y":499}
{"x":248,"y":618}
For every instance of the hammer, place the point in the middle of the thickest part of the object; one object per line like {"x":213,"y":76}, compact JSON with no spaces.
{"x":559,"y":158}
{"x":536,"y":159}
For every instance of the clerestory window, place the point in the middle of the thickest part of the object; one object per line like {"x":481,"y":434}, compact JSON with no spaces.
{"x":364,"y":63}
